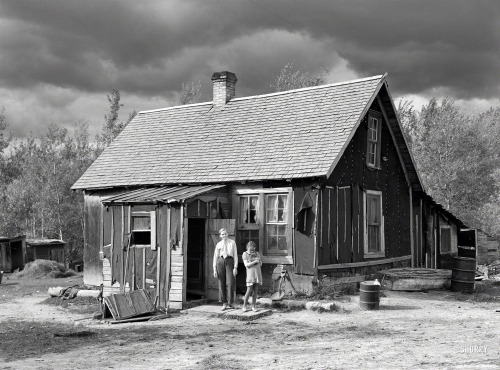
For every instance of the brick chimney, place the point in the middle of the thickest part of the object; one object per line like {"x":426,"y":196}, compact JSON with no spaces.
{"x":224,"y":87}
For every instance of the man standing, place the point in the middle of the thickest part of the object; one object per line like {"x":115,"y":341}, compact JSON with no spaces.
{"x":225,"y":264}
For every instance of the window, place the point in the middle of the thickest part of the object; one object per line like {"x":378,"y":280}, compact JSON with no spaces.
{"x":373,"y":149}
{"x":445,"y":239}
{"x":264,"y":218}
{"x":249,"y":209}
{"x":374,"y":224}
{"x":144,"y":229}
{"x":276,"y":222}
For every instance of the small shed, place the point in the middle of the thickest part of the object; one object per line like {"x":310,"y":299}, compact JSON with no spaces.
{"x":486,"y":246}
{"x":12,"y":253}
{"x":46,"y":249}
{"x":5,"y":261}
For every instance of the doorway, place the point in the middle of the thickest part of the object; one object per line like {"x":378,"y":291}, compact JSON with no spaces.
{"x":16,"y":250}
{"x":195,"y":259}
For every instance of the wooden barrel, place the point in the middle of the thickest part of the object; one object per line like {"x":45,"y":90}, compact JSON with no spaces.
{"x":463,"y":275}
{"x":369,"y":295}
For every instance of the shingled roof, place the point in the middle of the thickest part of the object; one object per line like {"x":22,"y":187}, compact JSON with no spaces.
{"x":287,"y":135}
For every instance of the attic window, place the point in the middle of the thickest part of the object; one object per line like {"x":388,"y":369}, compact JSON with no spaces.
{"x":373,"y":140}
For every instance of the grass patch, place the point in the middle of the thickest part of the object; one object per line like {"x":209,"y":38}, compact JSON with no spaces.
{"x":485,"y":291}
{"x":43,"y":269}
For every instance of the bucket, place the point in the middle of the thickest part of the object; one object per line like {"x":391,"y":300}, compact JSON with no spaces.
{"x":369,"y":295}
{"x":463,"y":275}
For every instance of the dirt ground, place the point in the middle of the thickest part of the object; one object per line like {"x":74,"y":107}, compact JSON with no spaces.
{"x":411,"y":330}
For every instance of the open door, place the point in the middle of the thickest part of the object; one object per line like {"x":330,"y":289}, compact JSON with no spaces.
{"x":214,"y":225}
{"x":195,"y":258}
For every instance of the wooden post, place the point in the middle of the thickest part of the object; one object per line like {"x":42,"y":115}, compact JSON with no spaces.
{"x":169,"y":253}
{"x":158,"y":255}
{"x":316,"y":232}
{"x":412,"y":244}
{"x":183,"y":244}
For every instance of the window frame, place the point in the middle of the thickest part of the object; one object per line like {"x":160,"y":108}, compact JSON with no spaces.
{"x":152,"y":220}
{"x":448,"y":228}
{"x":286,"y":223}
{"x":373,"y":115}
{"x":281,"y":257}
{"x":380,"y":253}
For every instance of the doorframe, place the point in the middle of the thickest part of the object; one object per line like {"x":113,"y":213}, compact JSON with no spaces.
{"x":203,"y":258}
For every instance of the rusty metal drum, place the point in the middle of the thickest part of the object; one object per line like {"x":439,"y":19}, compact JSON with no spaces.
{"x":463,"y":275}
{"x":369,"y":295}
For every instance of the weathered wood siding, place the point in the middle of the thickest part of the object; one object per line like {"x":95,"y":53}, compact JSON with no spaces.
{"x":342,"y":234}
{"x":92,"y":273}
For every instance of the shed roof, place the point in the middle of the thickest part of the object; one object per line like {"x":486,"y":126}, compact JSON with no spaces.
{"x":43,"y":241}
{"x":165,"y":194}
{"x":287,"y":135}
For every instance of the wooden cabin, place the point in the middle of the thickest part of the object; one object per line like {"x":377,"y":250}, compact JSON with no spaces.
{"x":321,"y":178}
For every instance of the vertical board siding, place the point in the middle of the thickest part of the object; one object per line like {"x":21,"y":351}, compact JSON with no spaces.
{"x":390,"y":179}
{"x":344,"y":224}
{"x":117,"y":253}
{"x":164,"y":245}
{"x":92,"y":274}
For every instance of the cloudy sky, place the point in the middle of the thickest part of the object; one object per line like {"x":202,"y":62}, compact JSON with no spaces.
{"x":59,"y":58}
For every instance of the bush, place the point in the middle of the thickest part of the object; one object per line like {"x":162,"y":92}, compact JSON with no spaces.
{"x":43,"y":269}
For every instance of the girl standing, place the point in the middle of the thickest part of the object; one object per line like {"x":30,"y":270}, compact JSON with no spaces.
{"x":252,"y":261}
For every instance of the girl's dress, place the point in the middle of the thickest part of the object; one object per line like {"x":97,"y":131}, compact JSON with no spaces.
{"x":254,"y":274}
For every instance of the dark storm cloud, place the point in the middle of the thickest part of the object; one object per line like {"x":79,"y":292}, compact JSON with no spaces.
{"x":151,"y":47}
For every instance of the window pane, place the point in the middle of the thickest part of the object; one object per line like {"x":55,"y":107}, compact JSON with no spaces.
{"x":282,"y":201}
{"x":281,"y":230}
{"x":246,"y":236}
{"x":141,"y":223}
{"x":373,"y":238}
{"x":272,"y":230}
{"x":244,"y":210}
{"x":254,"y":210}
{"x":272,"y":215}
{"x":373,"y":209}
{"x":272,"y":242}
{"x":282,"y":243}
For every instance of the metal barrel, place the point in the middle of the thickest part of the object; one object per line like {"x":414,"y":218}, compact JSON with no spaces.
{"x":463,"y":275}
{"x":369,"y":295}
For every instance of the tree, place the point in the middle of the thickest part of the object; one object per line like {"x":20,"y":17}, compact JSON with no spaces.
{"x":456,"y":155}
{"x":4,"y":141}
{"x":289,"y":79}
{"x":190,"y":93}
{"x":112,"y":126}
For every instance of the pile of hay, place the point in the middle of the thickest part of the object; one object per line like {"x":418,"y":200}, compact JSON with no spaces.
{"x":43,"y":269}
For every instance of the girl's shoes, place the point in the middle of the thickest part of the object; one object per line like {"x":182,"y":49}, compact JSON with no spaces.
{"x":244,"y":309}
{"x":254,"y":309}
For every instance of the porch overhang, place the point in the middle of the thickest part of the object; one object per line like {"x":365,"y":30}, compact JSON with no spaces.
{"x":161,"y":194}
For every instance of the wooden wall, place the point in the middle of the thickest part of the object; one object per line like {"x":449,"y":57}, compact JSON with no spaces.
{"x":92,"y":273}
{"x":5,"y":260}
{"x":342,"y":224}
